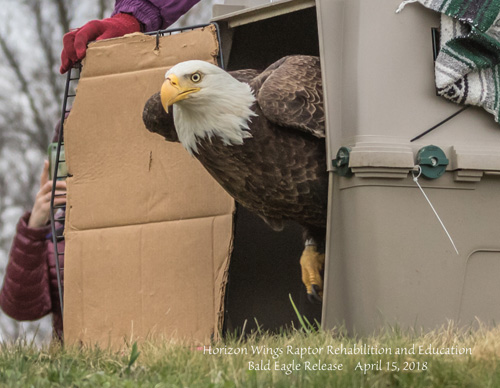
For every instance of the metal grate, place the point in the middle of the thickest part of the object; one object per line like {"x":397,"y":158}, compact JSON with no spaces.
{"x":57,"y":213}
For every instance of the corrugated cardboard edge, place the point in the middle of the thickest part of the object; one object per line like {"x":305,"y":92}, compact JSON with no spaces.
{"x":223,"y":284}
{"x":167,"y":43}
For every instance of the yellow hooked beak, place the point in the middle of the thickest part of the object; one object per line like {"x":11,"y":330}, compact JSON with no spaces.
{"x":172,"y":91}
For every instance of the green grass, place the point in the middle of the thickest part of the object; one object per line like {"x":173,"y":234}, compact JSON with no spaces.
{"x":171,"y":364}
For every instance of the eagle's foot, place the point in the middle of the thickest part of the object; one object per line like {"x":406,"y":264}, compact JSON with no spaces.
{"x":312,"y":263}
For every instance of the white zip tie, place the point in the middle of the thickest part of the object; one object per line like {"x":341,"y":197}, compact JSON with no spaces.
{"x":403,"y":4}
{"x":415,"y":179}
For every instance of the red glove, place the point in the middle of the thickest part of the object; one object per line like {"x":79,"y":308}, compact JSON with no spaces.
{"x":75,"y":41}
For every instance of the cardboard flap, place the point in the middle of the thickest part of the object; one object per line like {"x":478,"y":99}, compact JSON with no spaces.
{"x":148,"y":230}
{"x":112,"y":56}
{"x":148,"y":280}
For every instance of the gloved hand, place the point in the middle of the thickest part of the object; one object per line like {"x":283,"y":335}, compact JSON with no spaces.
{"x":75,"y":41}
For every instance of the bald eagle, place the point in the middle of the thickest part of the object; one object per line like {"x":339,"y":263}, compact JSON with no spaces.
{"x":261,"y":135}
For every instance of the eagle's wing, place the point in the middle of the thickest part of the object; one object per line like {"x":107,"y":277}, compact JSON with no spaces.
{"x":290,"y":94}
{"x":245,"y":75}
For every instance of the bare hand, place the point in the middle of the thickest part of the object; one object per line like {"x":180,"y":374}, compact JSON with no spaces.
{"x":41,"y":209}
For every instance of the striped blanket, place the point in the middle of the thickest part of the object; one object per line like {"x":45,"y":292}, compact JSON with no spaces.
{"x":468,"y":64}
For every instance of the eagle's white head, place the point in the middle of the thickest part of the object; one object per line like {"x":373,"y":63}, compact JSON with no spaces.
{"x":207,"y":102}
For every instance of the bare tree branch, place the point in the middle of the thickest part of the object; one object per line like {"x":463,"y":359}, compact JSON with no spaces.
{"x":102,"y":9}
{"x":63,"y":16}
{"x":16,"y":67}
{"x":46,"y":44}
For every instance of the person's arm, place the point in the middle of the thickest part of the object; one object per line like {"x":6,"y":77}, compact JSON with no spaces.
{"x":154,"y":14}
{"x":128,"y":16}
{"x":25,"y":293}
{"x":26,"y":287}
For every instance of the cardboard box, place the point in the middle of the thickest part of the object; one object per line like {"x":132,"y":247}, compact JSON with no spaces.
{"x":148,"y":231}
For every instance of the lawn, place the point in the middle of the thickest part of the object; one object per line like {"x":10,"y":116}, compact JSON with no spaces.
{"x":298,"y":358}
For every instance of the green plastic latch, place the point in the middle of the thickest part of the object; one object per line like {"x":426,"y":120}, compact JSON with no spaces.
{"x":433,"y":161}
{"x":341,"y":162}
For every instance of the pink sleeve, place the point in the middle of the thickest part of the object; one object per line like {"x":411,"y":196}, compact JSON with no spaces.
{"x":25,"y":292}
{"x":154,"y":14}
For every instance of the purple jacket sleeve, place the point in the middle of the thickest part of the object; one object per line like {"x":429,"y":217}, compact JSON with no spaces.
{"x":155,"y":14}
{"x":26,"y":293}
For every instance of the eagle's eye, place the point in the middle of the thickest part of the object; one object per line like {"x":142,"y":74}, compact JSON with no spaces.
{"x":196,"y":77}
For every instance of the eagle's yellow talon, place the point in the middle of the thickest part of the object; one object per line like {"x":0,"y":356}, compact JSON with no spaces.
{"x":312,"y":263}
